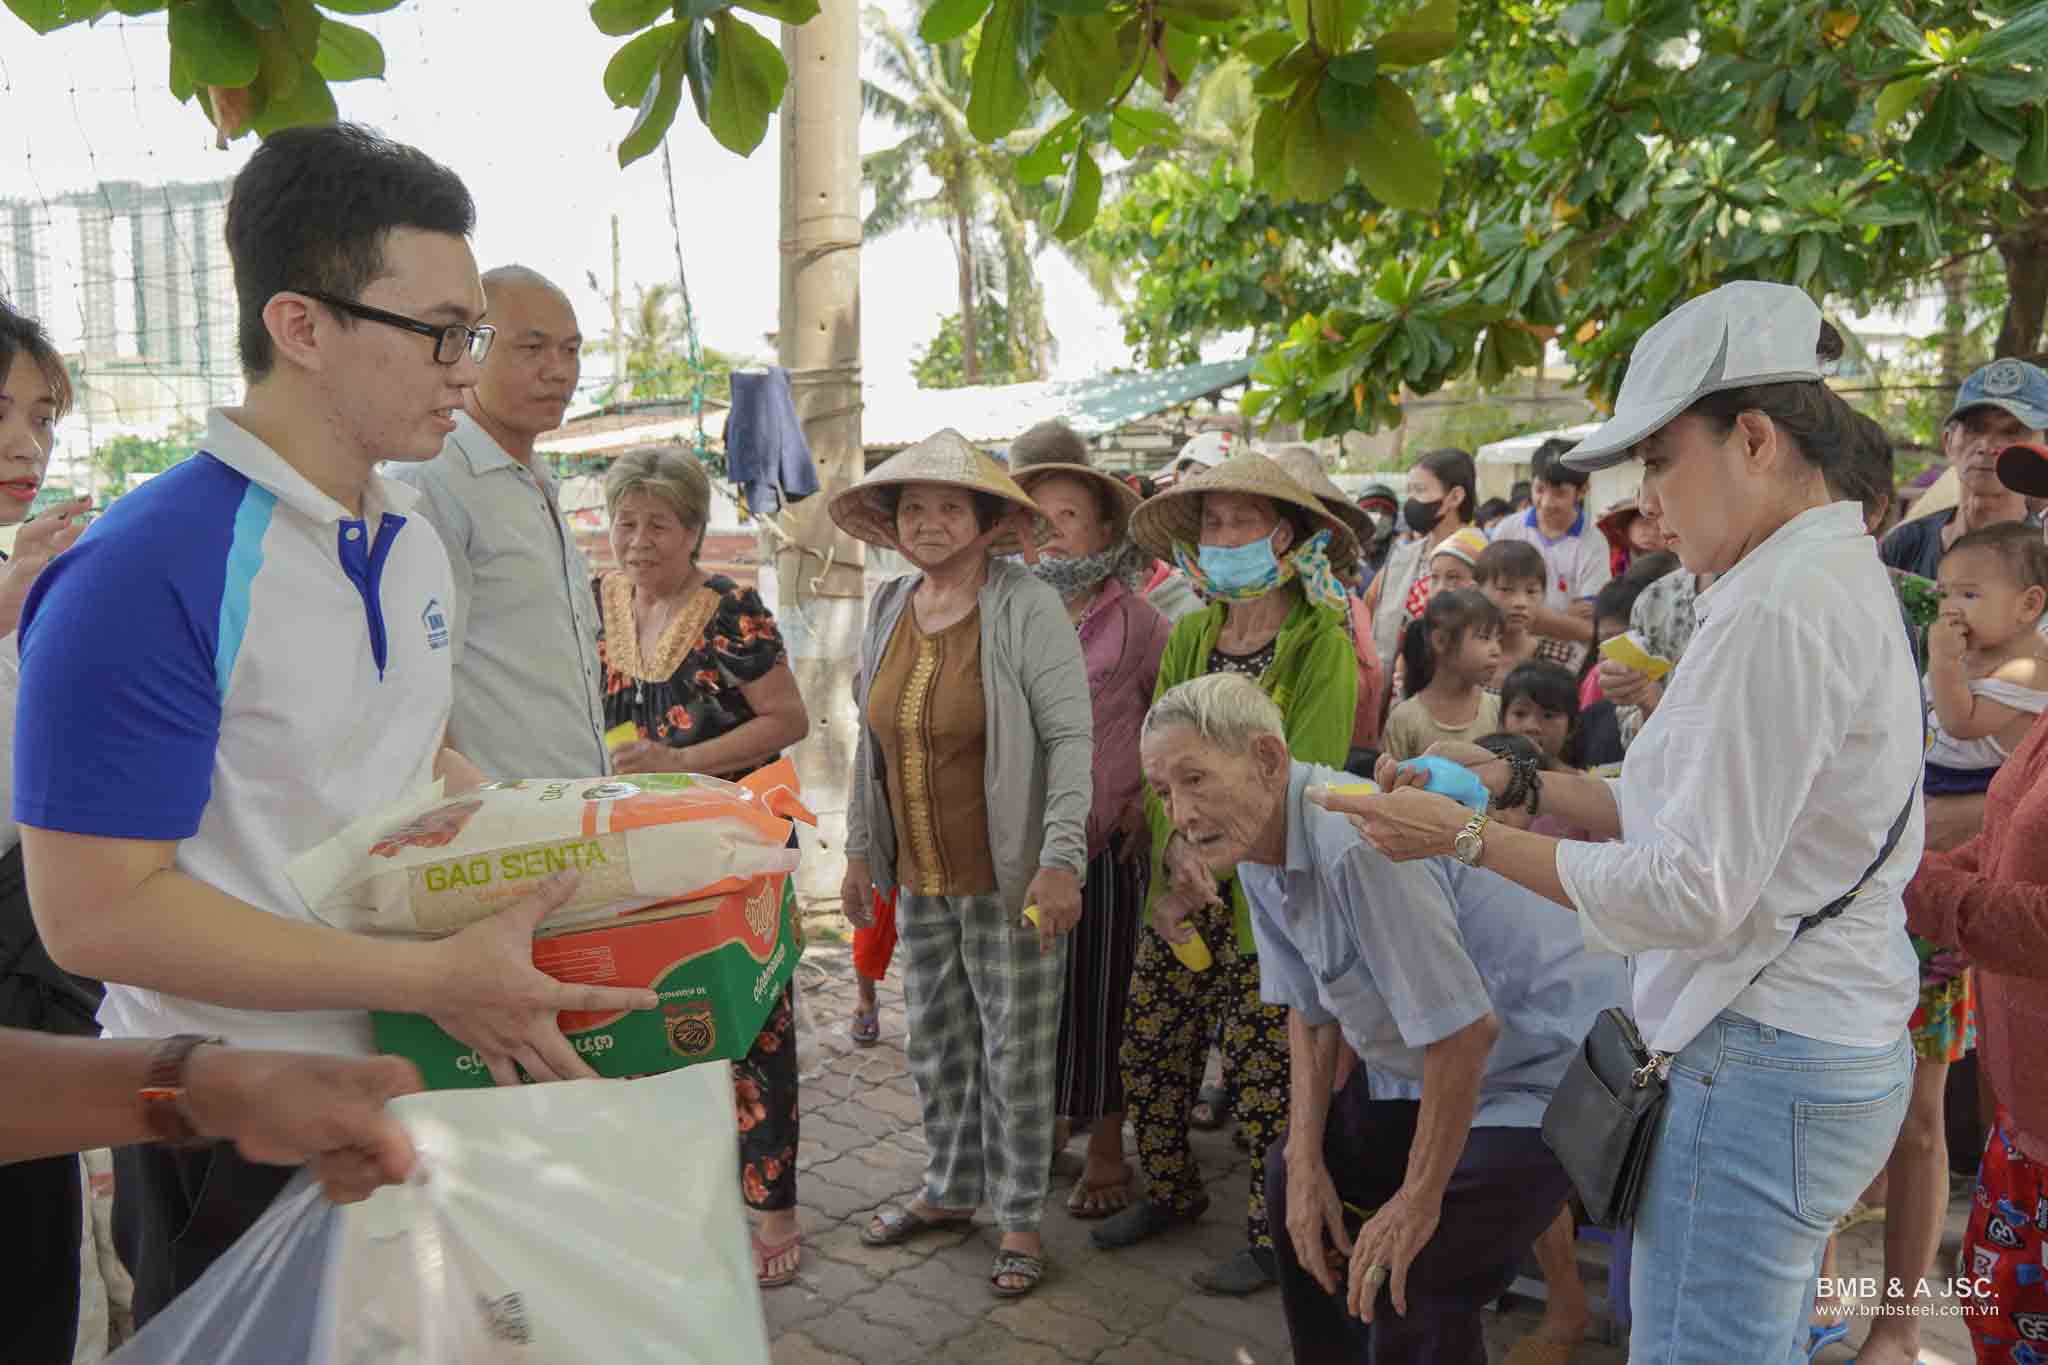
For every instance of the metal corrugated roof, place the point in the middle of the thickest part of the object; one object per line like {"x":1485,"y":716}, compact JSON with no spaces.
{"x":896,"y":416}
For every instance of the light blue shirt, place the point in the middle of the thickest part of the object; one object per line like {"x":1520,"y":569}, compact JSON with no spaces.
{"x":1403,"y":955}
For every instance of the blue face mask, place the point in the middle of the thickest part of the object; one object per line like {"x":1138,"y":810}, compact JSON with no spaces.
{"x":1234,"y":568}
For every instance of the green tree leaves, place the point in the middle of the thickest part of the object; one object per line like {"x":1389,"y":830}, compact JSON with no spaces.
{"x":735,"y":73}
{"x":1000,"y":93}
{"x":257,"y":65}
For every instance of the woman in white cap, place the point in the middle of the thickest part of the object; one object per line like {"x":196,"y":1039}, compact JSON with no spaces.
{"x":1266,"y":556}
{"x":971,"y":788}
{"x":1757,"y":870}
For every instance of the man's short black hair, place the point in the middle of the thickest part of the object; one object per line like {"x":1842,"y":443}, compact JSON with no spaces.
{"x":1549,"y":467}
{"x":311,"y":211}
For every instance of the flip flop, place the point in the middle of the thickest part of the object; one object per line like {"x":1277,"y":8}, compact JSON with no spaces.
{"x":1017,"y":1265}
{"x":1858,"y":1214}
{"x":1218,"y":1100}
{"x":897,"y":1226}
{"x":1819,"y":1339}
{"x":1088,"y":1201}
{"x":764,"y":1255}
{"x":866,"y":1027}
{"x":1535,"y":1351}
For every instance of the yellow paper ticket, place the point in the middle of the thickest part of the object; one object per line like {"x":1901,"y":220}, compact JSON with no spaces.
{"x":1363,"y":787}
{"x":1628,"y":650}
{"x":626,"y":732}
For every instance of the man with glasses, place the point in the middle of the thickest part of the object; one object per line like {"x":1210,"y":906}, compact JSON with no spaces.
{"x":248,"y":655}
{"x":523,"y":628}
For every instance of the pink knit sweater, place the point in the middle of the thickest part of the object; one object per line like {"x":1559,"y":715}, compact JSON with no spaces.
{"x":1990,"y":899}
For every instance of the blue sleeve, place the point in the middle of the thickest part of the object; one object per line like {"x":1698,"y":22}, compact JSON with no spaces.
{"x":122,"y":670}
{"x":1408,"y":934}
{"x":1284,"y":975}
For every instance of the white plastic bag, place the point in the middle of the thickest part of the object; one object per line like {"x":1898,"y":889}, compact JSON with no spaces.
{"x":555,"y":1224}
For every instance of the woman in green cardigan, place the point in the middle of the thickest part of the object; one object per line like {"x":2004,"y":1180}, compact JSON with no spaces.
{"x":1264,"y":554}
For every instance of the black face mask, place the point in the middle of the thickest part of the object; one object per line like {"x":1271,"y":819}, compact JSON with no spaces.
{"x":1421,"y":516}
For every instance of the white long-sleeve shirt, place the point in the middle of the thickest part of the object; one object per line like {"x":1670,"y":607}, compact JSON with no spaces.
{"x":1758,"y":792}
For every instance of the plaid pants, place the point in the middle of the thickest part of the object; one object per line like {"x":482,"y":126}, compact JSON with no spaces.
{"x":984,"y":1024}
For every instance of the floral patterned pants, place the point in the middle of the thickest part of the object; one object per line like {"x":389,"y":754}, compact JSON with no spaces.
{"x":1172,"y":1015}
{"x":764,"y":1095}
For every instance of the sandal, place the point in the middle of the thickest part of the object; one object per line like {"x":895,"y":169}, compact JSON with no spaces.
{"x":1016,"y":1265}
{"x":866,"y":1027}
{"x":1820,"y":1338}
{"x":766,"y":1255}
{"x":1536,"y":1351}
{"x":894,"y":1227}
{"x":1143,"y":1221}
{"x":1217,"y":1101}
{"x":1100,"y":1201}
{"x":1247,"y":1272}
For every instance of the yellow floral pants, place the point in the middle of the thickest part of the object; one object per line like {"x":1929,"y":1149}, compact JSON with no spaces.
{"x":1172,"y":1016}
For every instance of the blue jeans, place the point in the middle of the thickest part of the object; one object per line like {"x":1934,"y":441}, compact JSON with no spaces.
{"x":1766,"y":1140}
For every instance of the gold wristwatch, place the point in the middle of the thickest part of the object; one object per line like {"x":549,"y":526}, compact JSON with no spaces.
{"x":1470,"y":845}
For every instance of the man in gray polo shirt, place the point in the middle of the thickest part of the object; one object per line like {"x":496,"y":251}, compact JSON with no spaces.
{"x":1451,"y":985}
{"x":524,"y":624}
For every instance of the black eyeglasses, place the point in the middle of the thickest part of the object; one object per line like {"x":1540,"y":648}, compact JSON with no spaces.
{"x":451,"y":339}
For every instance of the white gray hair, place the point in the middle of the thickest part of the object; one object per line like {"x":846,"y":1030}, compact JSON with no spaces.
{"x":1228,"y":711}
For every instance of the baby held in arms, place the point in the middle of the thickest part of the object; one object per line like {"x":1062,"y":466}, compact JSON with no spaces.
{"x":1987,"y":678}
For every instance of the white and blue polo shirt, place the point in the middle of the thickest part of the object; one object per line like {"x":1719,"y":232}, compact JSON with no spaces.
{"x":230,"y":660}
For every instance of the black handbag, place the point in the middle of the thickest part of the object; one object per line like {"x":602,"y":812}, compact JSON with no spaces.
{"x":1603,"y":1118}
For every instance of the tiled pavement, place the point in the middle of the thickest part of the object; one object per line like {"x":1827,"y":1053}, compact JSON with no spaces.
{"x":930,"y":1301}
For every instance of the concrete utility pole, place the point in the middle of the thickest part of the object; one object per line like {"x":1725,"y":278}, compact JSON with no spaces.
{"x":618,"y":336}
{"x":818,"y":571}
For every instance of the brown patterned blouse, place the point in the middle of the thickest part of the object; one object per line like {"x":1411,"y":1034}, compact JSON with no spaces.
{"x":928,"y":711}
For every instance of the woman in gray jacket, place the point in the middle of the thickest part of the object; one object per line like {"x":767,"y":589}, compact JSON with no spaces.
{"x":972,"y":784}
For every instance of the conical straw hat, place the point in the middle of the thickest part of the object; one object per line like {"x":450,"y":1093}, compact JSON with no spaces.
{"x":1305,"y":467}
{"x":945,"y":457}
{"x":1034,"y":460}
{"x":1175,"y":515}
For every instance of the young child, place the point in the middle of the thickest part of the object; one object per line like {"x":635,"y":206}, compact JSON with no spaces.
{"x":1512,"y":575}
{"x":1613,"y":610}
{"x":1987,"y":677}
{"x":1540,"y":702}
{"x":1448,"y":656}
{"x":1454,"y":563}
{"x":1450,"y":569}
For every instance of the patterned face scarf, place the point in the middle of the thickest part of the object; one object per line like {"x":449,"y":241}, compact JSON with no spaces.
{"x":1077,"y":576}
{"x":1309,"y":562}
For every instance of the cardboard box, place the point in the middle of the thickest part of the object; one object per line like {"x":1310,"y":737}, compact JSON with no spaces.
{"x":719,"y":965}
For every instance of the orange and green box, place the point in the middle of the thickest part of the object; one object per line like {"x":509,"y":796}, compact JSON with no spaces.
{"x":719,"y":965}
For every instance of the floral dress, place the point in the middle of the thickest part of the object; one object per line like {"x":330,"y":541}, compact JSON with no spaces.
{"x":685,"y":692}
{"x":688,"y":690}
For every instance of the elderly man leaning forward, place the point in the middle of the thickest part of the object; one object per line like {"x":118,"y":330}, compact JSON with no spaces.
{"x":1433,"y":972}
{"x":523,"y":623}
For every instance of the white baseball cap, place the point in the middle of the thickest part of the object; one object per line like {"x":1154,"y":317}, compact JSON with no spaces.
{"x":1744,"y":333}
{"x":1207,"y":449}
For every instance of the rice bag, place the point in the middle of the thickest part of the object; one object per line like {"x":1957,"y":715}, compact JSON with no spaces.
{"x":432,"y":865}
